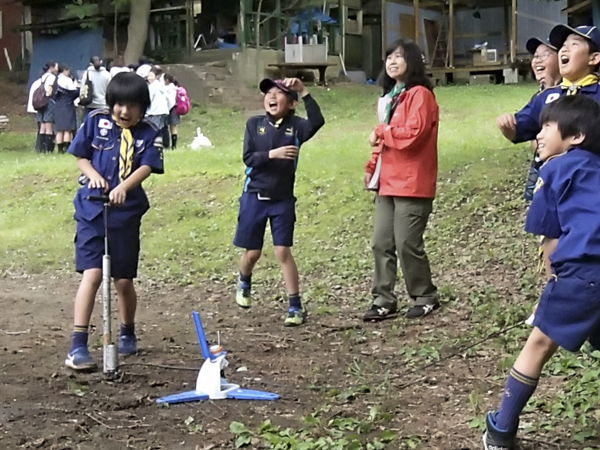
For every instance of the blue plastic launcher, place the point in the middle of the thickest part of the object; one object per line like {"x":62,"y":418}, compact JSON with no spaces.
{"x":210,"y":384}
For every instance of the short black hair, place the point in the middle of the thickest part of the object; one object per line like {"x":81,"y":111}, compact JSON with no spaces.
{"x":128,"y":87}
{"x":576,"y":115}
{"x":416,"y":74}
{"x":62,"y":67}
{"x":157,"y":70}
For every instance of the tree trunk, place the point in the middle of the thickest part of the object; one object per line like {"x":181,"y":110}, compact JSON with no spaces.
{"x":137,"y":32}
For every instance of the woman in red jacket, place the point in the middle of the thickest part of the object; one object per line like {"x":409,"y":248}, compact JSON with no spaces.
{"x":403,"y":171}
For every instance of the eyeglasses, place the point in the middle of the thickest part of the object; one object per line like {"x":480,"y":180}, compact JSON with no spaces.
{"x":543,"y":57}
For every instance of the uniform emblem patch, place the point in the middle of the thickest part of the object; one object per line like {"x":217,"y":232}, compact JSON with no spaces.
{"x":103,"y":131}
{"x":552,"y":97}
{"x":538,"y":184}
{"x":289,"y":131}
{"x":106,"y":124}
{"x":139,"y":142}
{"x":262,"y":130}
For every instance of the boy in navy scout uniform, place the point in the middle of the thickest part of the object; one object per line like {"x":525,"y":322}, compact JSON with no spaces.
{"x":271,"y":148}
{"x":578,"y":57}
{"x":116,"y":150}
{"x":566,"y":211}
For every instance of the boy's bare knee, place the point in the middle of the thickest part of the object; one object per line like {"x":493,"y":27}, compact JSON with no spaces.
{"x":283,"y":254}
{"x":124,"y":285}
{"x":541,"y":342}
{"x":92,"y":277}
{"x":252,"y":256}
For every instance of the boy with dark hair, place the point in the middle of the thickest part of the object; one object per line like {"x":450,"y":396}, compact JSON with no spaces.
{"x":271,"y":147}
{"x":566,"y":211}
{"x":116,"y":151}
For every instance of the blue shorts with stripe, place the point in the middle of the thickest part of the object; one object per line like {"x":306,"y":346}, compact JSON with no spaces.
{"x":253,"y":217}
{"x":569,"y":312}
{"x":123,"y":247}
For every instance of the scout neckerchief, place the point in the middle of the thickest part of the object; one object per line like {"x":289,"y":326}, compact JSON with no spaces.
{"x":395,"y":99}
{"x":573,"y":88}
{"x":126,"y":152}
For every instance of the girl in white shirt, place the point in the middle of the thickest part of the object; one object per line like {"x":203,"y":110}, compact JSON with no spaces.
{"x":174,"y":118}
{"x":65,"y":113}
{"x":45,"y":117}
{"x":158,"y":113}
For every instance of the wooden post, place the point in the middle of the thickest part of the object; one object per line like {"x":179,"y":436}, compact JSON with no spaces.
{"x":451,"y":34}
{"x":342,"y":17}
{"x":384,"y":43}
{"x":417,"y":22}
{"x":189,"y":26}
{"x":278,"y":37}
{"x":513,"y":33}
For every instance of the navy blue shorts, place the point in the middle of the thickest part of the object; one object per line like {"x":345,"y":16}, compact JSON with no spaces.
{"x":123,"y":247}
{"x":252,"y":221}
{"x":569,"y":312}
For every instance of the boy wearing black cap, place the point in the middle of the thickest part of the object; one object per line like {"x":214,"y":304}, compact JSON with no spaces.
{"x":271,"y":148}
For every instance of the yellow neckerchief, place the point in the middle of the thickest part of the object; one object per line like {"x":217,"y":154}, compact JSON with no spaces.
{"x":126,"y":152}
{"x":573,"y":88}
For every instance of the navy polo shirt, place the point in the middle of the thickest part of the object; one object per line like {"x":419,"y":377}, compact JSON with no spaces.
{"x":566,"y":206}
{"x":99,"y":140}
{"x":528,"y":119}
{"x":274,"y":178}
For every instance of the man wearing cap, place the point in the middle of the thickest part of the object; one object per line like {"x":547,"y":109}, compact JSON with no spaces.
{"x":271,"y":147}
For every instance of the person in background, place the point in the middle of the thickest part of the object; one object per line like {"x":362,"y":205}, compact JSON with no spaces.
{"x":117,"y":66}
{"x":100,"y":78}
{"x":45,"y":117}
{"x":158,"y":113}
{"x":144,"y":67}
{"x":65,"y":113}
{"x":174,"y":118}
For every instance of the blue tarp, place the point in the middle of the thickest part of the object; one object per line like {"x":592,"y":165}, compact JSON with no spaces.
{"x":74,"y":49}
{"x":301,"y":21}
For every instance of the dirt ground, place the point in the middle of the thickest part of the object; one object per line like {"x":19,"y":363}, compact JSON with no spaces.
{"x":47,"y":406}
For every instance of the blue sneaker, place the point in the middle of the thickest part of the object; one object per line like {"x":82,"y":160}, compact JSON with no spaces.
{"x":127,"y":345}
{"x":80,"y":359}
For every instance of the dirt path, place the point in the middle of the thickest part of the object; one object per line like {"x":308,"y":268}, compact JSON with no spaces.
{"x":49,"y":407}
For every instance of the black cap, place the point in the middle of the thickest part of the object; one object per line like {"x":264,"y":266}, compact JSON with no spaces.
{"x":267,"y":84}
{"x":560,"y":33}
{"x":533,"y":44}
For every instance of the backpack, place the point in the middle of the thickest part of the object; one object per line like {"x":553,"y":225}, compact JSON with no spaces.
{"x":86,"y":95}
{"x":183,"y":105}
{"x":39,"y":99}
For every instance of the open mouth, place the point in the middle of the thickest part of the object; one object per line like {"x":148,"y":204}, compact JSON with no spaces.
{"x":564,"y":59}
{"x":272,"y":104}
{"x":540,"y":69}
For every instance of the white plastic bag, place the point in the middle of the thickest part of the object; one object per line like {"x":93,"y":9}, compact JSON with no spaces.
{"x":200,"y":141}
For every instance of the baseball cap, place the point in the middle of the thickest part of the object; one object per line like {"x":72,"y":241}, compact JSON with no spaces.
{"x":267,"y":84}
{"x":533,"y":44}
{"x":560,"y":33}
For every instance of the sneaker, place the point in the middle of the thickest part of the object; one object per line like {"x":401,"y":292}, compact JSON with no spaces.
{"x":243,"y":297}
{"x":494,"y":439}
{"x":127,"y":345}
{"x":295,"y":317}
{"x":379,"y":313}
{"x":80,"y":359}
{"x":421,"y":310}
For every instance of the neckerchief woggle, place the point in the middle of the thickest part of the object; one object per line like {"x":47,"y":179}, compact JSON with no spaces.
{"x":573,"y":88}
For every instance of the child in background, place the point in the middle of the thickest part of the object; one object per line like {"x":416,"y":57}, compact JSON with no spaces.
{"x":158,"y":113}
{"x":271,"y":148}
{"x":65,"y":112}
{"x":406,"y":153}
{"x":566,"y":211}
{"x":174,"y":120}
{"x":116,"y":150}
{"x":45,"y":117}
